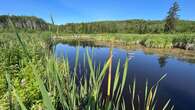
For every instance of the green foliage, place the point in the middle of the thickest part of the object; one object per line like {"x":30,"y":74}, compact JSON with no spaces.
{"x":33,"y":24}
{"x":14,"y":62}
{"x":43,"y":82}
{"x":182,"y":41}
{"x":127,"y":26}
{"x":158,"y":42}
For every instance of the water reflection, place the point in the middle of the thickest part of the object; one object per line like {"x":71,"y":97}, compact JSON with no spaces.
{"x":162,"y":60}
{"x":143,"y":64}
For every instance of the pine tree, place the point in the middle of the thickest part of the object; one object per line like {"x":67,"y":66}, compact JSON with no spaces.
{"x":172,"y":18}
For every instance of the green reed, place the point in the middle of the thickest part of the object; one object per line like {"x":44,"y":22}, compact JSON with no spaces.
{"x":60,"y":88}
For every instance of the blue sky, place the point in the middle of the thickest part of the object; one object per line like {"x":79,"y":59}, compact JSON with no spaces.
{"x":66,"y":11}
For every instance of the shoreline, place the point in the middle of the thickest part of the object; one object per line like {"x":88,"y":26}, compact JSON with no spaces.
{"x":185,"y":41}
{"x":188,"y":55}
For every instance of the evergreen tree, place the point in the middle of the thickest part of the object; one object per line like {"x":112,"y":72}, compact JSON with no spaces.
{"x":172,"y":18}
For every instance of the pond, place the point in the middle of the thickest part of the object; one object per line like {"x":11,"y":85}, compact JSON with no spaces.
{"x":144,"y":64}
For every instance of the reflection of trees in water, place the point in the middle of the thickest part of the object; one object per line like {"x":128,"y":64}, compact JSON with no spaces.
{"x":163,"y":57}
{"x":162,"y":61}
{"x":81,"y":43}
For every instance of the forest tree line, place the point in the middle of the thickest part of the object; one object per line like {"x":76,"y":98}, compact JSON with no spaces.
{"x":29,"y":23}
{"x":171,"y":24}
{"x":128,"y":26}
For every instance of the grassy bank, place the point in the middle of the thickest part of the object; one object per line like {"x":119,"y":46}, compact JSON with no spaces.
{"x":182,"y":41}
{"x":32,"y":78}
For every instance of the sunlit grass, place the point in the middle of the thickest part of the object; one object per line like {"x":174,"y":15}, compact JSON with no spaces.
{"x":181,"y":41}
{"x":38,"y":80}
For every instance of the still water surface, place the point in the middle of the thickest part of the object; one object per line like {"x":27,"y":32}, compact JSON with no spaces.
{"x":179,"y":84}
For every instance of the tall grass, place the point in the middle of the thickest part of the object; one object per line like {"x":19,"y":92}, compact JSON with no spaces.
{"x":44,"y":82}
{"x":109,"y":74}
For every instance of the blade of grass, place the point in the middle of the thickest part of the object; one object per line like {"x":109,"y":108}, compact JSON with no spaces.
{"x":154,"y":94}
{"x":148,"y":103}
{"x":46,"y":99}
{"x":92,"y":76}
{"x":146,"y":91}
{"x":109,"y":74}
{"x":76,"y":59}
{"x":123,"y":80}
{"x":166,"y":105}
{"x":133,"y":94}
{"x":116,"y":78}
{"x":103,"y":72}
{"x":172,"y":108}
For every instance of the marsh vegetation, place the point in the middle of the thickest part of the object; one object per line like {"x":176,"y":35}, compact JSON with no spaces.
{"x":34,"y":79}
{"x":106,"y":65}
